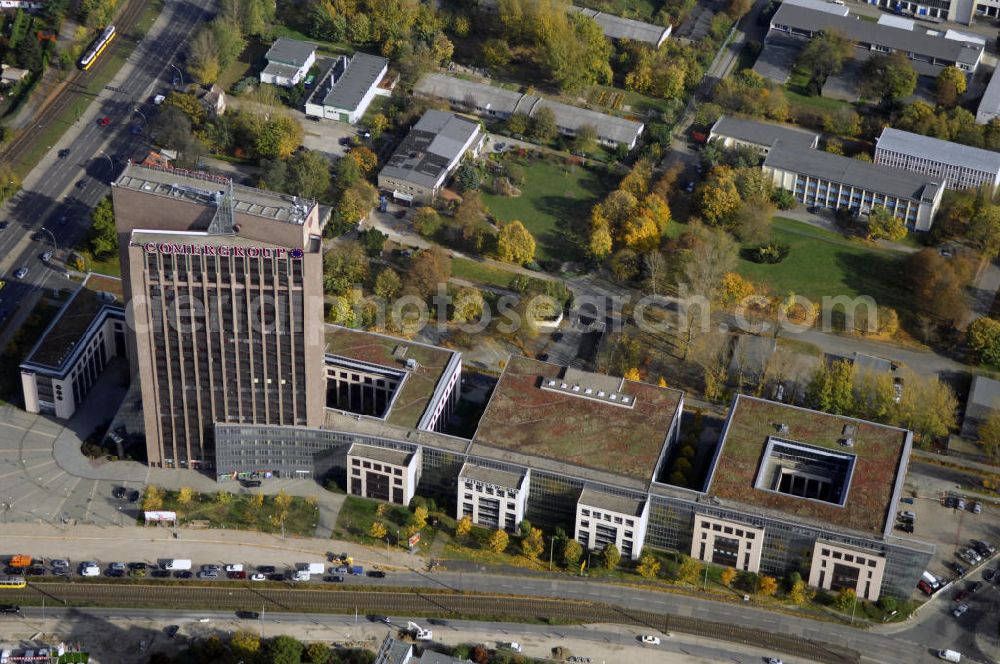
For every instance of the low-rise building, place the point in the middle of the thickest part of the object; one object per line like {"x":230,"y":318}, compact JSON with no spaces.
{"x":213,"y":99}
{"x":12,"y":75}
{"x":71,"y":354}
{"x":923,"y":46}
{"x":983,"y":402}
{"x":989,"y":105}
{"x":348,"y":86}
{"x":759,"y":136}
{"x":958,"y":166}
{"x":826,"y":180}
{"x":617,"y":27}
{"x":288,"y":62}
{"x":429,"y":154}
{"x":604,"y":518}
{"x":492,"y":498}
{"x":493,"y":102}
{"x":400,"y":652}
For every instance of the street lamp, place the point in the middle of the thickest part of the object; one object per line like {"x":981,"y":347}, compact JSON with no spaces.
{"x":111,"y":162}
{"x":179,"y":73}
{"x":145,"y":120}
{"x":55,"y":245}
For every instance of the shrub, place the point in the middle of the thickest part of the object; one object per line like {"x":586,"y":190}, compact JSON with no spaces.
{"x":769,"y":253}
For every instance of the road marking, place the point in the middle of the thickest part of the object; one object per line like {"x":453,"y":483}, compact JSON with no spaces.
{"x":93,"y":494}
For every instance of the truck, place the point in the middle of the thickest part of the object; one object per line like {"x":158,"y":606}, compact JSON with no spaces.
{"x":20,"y":560}
{"x":311,"y":568}
{"x":178,"y":564}
{"x":418,"y":632}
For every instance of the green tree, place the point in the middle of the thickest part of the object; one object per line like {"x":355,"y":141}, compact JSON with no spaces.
{"x":984,"y":229}
{"x":845,"y":599}
{"x":610,"y":556}
{"x":277,"y":137}
{"x":649,"y":566}
{"x":518,"y":123}
{"x":187,"y":104}
{"x":498,"y":540}
{"x":927,"y":407}
{"x":377,"y":125}
{"x":469,"y":304}
{"x":10,"y":183}
{"x":426,"y":221}
{"x":586,"y":138}
{"x":245,"y":643}
{"x":344,"y":267}
{"x":888,"y":77}
{"x":533,"y":545}
{"x":983,"y":339}
{"x":842,"y":387}
{"x":103,"y":239}
{"x":989,"y":436}
{"x":884,"y":225}
{"x":373,"y":240}
{"x":571,"y":552}
{"x":543,"y":126}
{"x":229,"y":41}
{"x":468,"y":177}
{"x":819,"y":391}
{"x":308,"y":175}
{"x":575,"y":52}
{"x":387,"y":284}
{"x":824,"y":54}
{"x":284,"y":650}
{"x":318,"y":653}
{"x":496,"y":54}
{"x":949,"y":86}
{"x":203,"y":57}
{"x":515,"y":244}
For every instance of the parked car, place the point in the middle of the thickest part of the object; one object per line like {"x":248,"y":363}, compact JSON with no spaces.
{"x":976,"y":507}
{"x":376,"y":574}
{"x":907,"y":516}
{"x":248,"y":615}
{"x":46,"y":256}
{"x":89,"y":569}
{"x":160,"y":574}
{"x":342,"y":570}
{"x":960,"y":503}
{"x":114,"y":573}
{"x":103,"y":121}
{"x":9,"y":608}
{"x":183,"y":574}
{"x":650,"y":640}
{"x":989,"y":574}
{"x":120,"y":492}
{"x":208,"y":574}
{"x":236,"y":575}
{"x":258,"y":577}
{"x":60,"y":563}
{"x":133,"y":496}
{"x":251,"y":484}
{"x":984,"y":549}
{"x":975,"y":586}
{"x":134,"y":566}
{"x":960,"y":610}
{"x":211,"y":568}
{"x":333,"y":578}
{"x":266,"y":569}
{"x":959,"y":569}
{"x":117,"y":566}
{"x":235,"y":567}
{"x":36,"y":570}
{"x":950,"y":501}
{"x":960,"y":595}
{"x":21,"y":273}
{"x":905,"y":527}
{"x":925,"y":587}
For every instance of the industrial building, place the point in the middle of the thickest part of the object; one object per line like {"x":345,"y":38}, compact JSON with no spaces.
{"x":348,"y":86}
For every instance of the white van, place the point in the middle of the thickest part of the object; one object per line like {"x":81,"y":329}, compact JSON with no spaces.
{"x":178,"y":564}
{"x":950,"y":655}
{"x":931,"y":580}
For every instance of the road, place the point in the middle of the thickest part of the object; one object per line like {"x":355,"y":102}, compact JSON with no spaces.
{"x":109,"y":632}
{"x":58,"y":194}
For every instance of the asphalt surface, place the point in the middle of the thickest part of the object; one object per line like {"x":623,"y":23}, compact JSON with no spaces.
{"x":60,"y":192}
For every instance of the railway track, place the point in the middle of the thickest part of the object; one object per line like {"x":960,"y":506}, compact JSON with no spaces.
{"x":74,"y":85}
{"x":483,"y":606}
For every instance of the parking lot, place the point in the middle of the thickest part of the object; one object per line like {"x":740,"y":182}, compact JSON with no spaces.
{"x":940,"y":521}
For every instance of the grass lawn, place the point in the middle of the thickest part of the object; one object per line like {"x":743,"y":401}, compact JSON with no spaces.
{"x":795,"y":91}
{"x":110,"y":267}
{"x":238,"y":511}
{"x":554,"y":205}
{"x":357,"y":514}
{"x":474,"y":271}
{"x":822,"y":263}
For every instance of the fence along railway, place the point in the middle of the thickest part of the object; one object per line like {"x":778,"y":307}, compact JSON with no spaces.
{"x":275,"y":598}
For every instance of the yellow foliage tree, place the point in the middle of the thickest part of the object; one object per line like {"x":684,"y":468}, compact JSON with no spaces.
{"x":497,"y":543}
{"x":282,"y":500}
{"x":649,"y":566}
{"x":152,"y":500}
{"x":734,"y":289}
{"x":464,"y":526}
{"x":515,"y":244}
{"x":727,"y":576}
{"x":245,"y":642}
{"x":799,"y":592}
{"x":533,"y":544}
{"x":256,"y":500}
{"x":689,"y":571}
{"x":632,"y":374}
{"x":377,"y":530}
{"x":767,"y":586}
{"x":420,"y":517}
{"x":663,"y":382}
{"x":185,"y":495}
{"x":364,"y":158}
{"x":641,"y":234}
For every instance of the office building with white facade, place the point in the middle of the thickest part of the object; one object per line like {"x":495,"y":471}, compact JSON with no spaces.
{"x":958,"y":166}
{"x":382,"y":474}
{"x":72,"y":352}
{"x":826,"y":180}
{"x":603,"y":519}
{"x":492,"y":498}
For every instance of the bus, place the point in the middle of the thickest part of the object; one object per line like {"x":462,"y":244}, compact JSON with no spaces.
{"x":12,"y":582}
{"x":95,"y":50}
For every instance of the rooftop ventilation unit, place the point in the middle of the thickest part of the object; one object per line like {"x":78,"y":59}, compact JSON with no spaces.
{"x":577,"y":390}
{"x":782,"y":428}
{"x":411,"y":364}
{"x":848,"y":442}
{"x":399,"y":352}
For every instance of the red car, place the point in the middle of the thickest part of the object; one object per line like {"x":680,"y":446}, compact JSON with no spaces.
{"x":104,"y":122}
{"x":925,"y":587}
{"x":237,"y":575}
{"x":960,"y":595}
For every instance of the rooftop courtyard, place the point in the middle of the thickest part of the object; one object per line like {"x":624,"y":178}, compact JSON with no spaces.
{"x":837,"y":470}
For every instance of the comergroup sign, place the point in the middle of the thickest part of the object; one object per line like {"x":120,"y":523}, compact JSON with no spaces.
{"x":220,"y":250}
